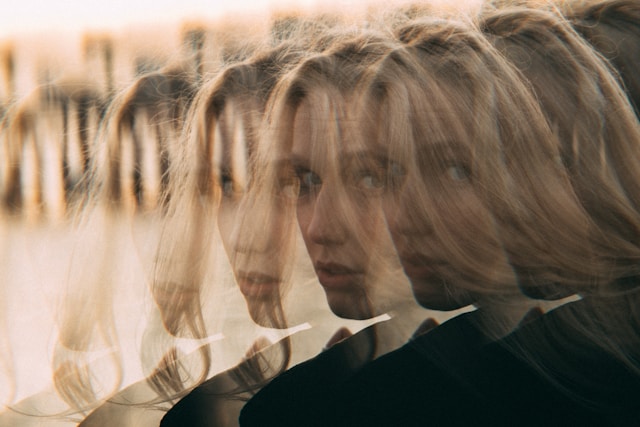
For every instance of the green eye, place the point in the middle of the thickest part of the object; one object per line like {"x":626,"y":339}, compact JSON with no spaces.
{"x":457,"y":172}
{"x":369,"y":180}
{"x":309,"y":181}
{"x":396,"y":169}
{"x":227,"y":184}
{"x":396,"y":174}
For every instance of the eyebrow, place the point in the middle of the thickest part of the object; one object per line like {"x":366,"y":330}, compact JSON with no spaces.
{"x":346,"y":159}
{"x":364,"y":156}
{"x":446,"y":147}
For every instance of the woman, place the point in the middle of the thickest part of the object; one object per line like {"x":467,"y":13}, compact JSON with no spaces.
{"x":225,"y":120}
{"x":600,"y":151}
{"x":338,"y":206}
{"x":260,"y":242}
{"x":466,"y":151}
{"x":578,"y":361}
{"x":232,"y":117}
{"x":317,"y":116}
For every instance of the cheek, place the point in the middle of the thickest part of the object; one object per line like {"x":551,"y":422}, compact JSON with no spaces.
{"x":459,"y":210}
{"x":304,"y":213}
{"x":226,"y":215}
{"x":390,"y":218}
{"x":282,"y":226}
{"x":472,"y":227}
{"x":370,"y":220}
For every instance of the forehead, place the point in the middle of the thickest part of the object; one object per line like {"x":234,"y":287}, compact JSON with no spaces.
{"x":319,"y":107}
{"x":326,"y":122}
{"x":414,"y":127}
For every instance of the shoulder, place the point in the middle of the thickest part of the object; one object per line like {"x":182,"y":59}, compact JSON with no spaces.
{"x":296,"y":394}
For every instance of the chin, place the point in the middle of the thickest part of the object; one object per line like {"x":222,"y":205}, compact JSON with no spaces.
{"x":536,"y":287}
{"x":440,"y":304}
{"x":544,"y":292}
{"x":350,"y":307}
{"x":263,"y":314}
{"x":442,"y":300}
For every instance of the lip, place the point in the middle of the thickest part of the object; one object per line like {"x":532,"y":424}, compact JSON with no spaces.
{"x":256,"y":284}
{"x":337,"y":276}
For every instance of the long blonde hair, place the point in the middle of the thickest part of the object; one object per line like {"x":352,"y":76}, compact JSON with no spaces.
{"x":185,"y":255}
{"x":599,"y":139}
{"x":600,"y":149}
{"x":335,"y":70}
{"x":149,"y":113}
{"x":450,"y":84}
{"x":47,"y":125}
{"x":613,"y":28}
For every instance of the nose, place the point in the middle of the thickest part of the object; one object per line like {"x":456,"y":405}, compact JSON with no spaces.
{"x":406,"y":210}
{"x":261,"y":226}
{"x":329,"y":223}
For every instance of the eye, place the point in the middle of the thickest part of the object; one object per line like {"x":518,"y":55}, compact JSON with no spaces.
{"x":369,"y":180}
{"x":229,"y":187}
{"x":309,"y":181}
{"x":396,"y":175}
{"x":458,"y":172}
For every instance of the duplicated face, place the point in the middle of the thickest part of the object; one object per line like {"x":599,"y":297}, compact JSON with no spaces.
{"x":443,"y":233}
{"x":253,"y":229}
{"x":231,"y":153}
{"x":340,"y":213}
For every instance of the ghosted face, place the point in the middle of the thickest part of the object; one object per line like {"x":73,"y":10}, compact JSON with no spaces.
{"x":254,"y":227}
{"x":444,"y":235}
{"x":339,"y":210}
{"x":231,"y":139}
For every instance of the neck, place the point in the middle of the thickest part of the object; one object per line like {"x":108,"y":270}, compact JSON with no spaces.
{"x":395,"y":332}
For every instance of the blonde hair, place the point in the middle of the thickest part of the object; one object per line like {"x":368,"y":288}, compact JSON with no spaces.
{"x":600,"y":146}
{"x":148,"y":112}
{"x":184,"y":256}
{"x":613,"y":28}
{"x":599,"y":150}
{"x":449,"y":84}
{"x":47,"y":125}
{"x":345,"y":55}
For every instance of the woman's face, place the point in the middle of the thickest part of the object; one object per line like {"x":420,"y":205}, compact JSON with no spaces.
{"x":231,"y":154}
{"x":254,"y":230}
{"x":444,"y":235}
{"x":339,"y":210}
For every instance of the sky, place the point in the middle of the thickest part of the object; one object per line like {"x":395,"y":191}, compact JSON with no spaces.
{"x":36,"y":16}
{"x":20,"y":17}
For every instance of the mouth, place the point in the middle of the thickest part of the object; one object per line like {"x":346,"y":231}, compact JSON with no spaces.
{"x":256,"y":284}
{"x":337,"y":276}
